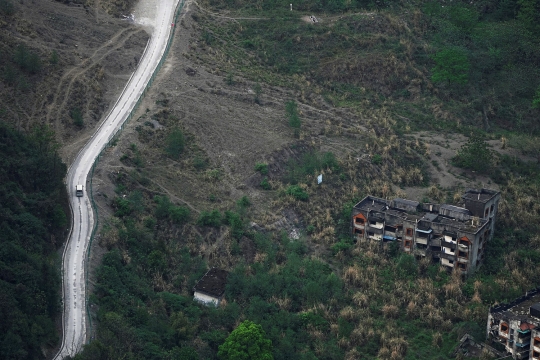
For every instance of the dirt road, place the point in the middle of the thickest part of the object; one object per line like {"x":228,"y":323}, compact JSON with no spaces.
{"x":74,"y":257}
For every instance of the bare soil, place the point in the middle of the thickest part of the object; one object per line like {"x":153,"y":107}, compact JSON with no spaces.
{"x":96,"y":55}
{"x":226,"y":126}
{"x":229,"y":131}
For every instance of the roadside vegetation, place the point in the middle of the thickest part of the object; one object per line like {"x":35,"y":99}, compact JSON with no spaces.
{"x":33,"y":223}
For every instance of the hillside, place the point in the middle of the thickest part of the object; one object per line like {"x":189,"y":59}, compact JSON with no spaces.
{"x":33,"y":224}
{"x":219,"y":166}
{"x":219,"y":169}
{"x":61,"y":65}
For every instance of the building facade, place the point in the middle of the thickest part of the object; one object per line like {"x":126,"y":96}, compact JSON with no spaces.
{"x":516,"y":326}
{"x":452,"y":235}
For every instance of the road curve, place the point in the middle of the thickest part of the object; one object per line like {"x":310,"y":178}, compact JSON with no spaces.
{"x":74,"y":257}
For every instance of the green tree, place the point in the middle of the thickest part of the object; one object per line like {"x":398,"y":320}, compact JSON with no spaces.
{"x":451,"y":65}
{"x":529,"y":14}
{"x":474,"y":155}
{"x":247,"y":342}
{"x":175,"y":143}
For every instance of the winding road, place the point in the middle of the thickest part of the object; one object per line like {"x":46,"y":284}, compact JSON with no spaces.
{"x":74,"y":315}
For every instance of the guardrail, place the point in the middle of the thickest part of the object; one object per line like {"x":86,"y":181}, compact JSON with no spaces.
{"x":113,"y":139}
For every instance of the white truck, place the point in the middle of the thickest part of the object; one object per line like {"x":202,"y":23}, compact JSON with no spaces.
{"x":79,"y":190}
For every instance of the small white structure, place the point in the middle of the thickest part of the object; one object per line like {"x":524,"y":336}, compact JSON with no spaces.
{"x":210,"y":289}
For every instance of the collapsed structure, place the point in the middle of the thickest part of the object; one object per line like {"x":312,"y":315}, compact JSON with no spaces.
{"x":452,"y":235}
{"x":516,"y":326}
{"x":210,"y":289}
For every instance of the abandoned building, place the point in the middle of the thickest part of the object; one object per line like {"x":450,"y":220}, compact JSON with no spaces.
{"x":210,"y":289}
{"x":515,"y":327}
{"x":452,"y":235}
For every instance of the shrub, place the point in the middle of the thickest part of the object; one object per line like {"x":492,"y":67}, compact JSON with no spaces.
{"x":122,"y":207}
{"x":243,"y":202}
{"x":179,"y":214}
{"x":474,"y":155}
{"x":258,"y":93}
{"x":175,"y":143}
{"x":292,"y":113}
{"x":163,"y":206}
{"x":297,"y":192}
{"x":209,"y":218}
{"x":262,"y":168}
{"x":343,"y":245}
{"x":54,"y":58}
{"x":200,"y":162}
{"x":265,"y":184}
{"x":7,"y":7}
{"x":77,"y":117}
{"x":452,"y":66}
{"x":536,"y":99}
{"x":27,"y":60}
{"x":376,"y":159}
{"x":309,"y":164}
{"x":235,"y":222}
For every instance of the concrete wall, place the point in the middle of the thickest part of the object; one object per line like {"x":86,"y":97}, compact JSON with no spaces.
{"x":206,"y":299}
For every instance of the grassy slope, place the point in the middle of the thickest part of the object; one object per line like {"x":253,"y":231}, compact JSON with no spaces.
{"x":346,"y":301}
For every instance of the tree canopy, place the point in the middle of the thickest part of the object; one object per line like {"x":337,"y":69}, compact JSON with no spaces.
{"x":32,"y":225}
{"x":247,"y":342}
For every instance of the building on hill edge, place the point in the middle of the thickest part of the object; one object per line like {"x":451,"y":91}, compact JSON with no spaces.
{"x":454,"y":236}
{"x":515,"y":327}
{"x":210,"y":288}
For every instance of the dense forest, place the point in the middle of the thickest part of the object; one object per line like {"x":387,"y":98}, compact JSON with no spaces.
{"x":33,"y":222}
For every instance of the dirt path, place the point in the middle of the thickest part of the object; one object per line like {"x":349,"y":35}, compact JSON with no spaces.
{"x":63,"y":91}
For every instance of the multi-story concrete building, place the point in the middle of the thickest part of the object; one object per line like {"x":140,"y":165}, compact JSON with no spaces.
{"x":452,"y":235}
{"x":516,"y":326}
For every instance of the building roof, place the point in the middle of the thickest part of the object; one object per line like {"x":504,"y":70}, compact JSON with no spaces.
{"x":519,"y":309}
{"x":407,"y":210}
{"x":212,"y":283}
{"x":480,"y":195}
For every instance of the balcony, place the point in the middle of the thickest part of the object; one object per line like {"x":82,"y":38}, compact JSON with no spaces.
{"x":375,"y":230}
{"x":464,"y":248}
{"x":448,"y":251}
{"x":447,"y":262}
{"x":378,"y":226}
{"x":449,"y":245}
{"x":463,"y":260}
{"x":444,"y":255}
{"x":450,"y":239}
{"x":436,"y":242}
{"x":421,"y":240}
